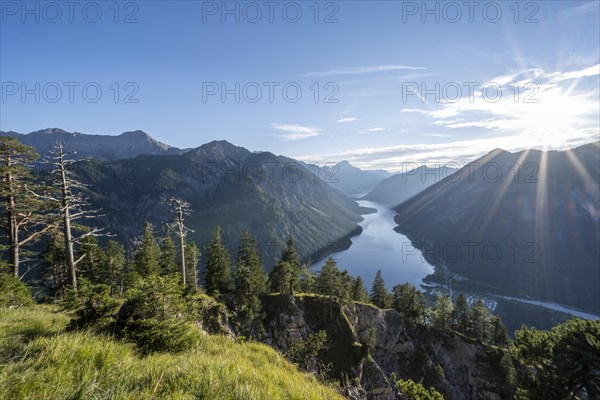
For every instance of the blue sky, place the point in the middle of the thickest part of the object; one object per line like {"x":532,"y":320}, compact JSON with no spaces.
{"x":365,"y":66}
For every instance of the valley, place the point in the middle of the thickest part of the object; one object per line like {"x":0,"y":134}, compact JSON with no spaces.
{"x":379,"y":247}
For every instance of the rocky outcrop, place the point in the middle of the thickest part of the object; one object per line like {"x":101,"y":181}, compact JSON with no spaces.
{"x":368,"y":347}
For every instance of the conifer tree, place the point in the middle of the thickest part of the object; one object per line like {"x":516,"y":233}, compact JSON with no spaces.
{"x":115,"y":264}
{"x":286,"y":274}
{"x":347,"y":281}
{"x":146,"y":258}
{"x":23,"y":217}
{"x":329,"y":281}
{"x":379,"y":294}
{"x":250,"y":285}
{"x":217,"y":275}
{"x":167,"y":259}
{"x":192,"y":258}
{"x":359,"y":291}
{"x":442,"y":313}
{"x":54,"y":273}
{"x":93,"y":260}
{"x":280,"y":279}
{"x":478,"y":320}
{"x":410,"y":303}
{"x":460,"y":315}
{"x":307,"y":279}
{"x":498,"y":336}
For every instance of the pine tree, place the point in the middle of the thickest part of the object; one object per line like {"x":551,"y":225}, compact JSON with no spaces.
{"x":329,"y":282}
{"x":460,"y":315}
{"x":359,"y":292}
{"x":280,"y":279}
{"x":167,"y":259}
{"x":145,"y":259}
{"x":289,"y":253}
{"x":307,"y":279}
{"x":24,"y":218}
{"x":192,"y":258}
{"x":54,"y":273}
{"x":285,"y":277}
{"x":115,"y":264}
{"x":250,"y":285}
{"x":498,"y":336}
{"x":347,"y":282}
{"x":410,"y":303}
{"x":93,"y":260}
{"x":478,"y":319}
{"x":562,"y":363}
{"x":379,"y":294}
{"x":217,"y":275}
{"x":442,"y":313}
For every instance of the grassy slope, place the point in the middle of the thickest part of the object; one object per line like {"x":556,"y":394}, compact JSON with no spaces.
{"x":38,"y":360}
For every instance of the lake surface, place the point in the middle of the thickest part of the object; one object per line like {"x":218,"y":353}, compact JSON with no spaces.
{"x":379,"y":247}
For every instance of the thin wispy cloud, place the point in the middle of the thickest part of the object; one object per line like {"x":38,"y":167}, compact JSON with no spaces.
{"x":362,"y":70}
{"x":457,"y":153}
{"x":558,"y":115}
{"x":547,"y":106}
{"x":438,"y":135}
{"x":590,"y":7}
{"x":294,"y":132}
{"x":414,"y":110}
{"x":348,"y":119}
{"x":371,"y":130}
{"x":586,"y":72}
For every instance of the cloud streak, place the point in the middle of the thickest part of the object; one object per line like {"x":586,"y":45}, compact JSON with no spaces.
{"x":393,"y":158}
{"x":371,"y":130}
{"x":349,"y":119}
{"x":294,"y":132}
{"x":362,"y":70}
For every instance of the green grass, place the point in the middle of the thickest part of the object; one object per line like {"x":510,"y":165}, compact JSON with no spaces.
{"x":38,"y":360}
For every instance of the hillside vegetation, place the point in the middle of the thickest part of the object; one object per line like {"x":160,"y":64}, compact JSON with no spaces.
{"x":40,"y":360}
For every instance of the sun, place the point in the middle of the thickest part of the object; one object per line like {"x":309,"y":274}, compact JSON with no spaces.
{"x":554,"y":118}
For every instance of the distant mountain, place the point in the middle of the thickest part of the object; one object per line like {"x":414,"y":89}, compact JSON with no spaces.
{"x":524,"y":224}
{"x":350,"y":180}
{"x":273,"y":196}
{"x":100,"y":147}
{"x":399,"y":187}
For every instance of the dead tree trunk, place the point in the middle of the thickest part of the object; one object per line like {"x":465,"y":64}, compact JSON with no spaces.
{"x":66,"y":217}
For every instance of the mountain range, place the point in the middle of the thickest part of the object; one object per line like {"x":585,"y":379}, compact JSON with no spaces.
{"x":274,"y":197}
{"x":540,"y":211}
{"x":350,"y":180}
{"x":397,"y":188}
{"x":101,"y":147}
{"x":520,"y":224}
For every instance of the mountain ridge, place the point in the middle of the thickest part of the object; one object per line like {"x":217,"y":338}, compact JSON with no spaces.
{"x":273,"y":196}
{"x":103,"y":147}
{"x":539,"y":210}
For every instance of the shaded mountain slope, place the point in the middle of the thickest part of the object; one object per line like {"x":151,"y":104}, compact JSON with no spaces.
{"x":353,"y":181}
{"x":525,"y":224}
{"x":274,"y":197}
{"x":399,"y":187}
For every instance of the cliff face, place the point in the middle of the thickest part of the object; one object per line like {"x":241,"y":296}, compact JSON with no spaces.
{"x":367,"y":345}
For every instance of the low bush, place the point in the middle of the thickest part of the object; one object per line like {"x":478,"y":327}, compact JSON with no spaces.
{"x":13,"y":292}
